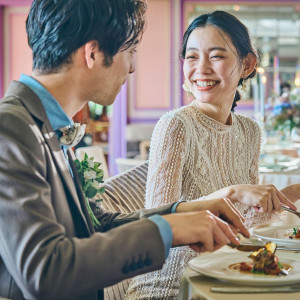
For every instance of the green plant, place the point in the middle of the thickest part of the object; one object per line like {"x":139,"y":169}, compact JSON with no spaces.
{"x":91,"y":178}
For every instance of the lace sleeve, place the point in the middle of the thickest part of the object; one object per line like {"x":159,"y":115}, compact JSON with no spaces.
{"x":256,"y":138}
{"x":252,"y":218}
{"x":167,"y":156}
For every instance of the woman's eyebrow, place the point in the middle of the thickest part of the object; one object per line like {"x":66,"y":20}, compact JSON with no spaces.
{"x":217,"y":48}
{"x":210,"y":49}
{"x":192,"y":49}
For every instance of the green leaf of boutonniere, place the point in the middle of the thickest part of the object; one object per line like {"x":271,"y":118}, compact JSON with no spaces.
{"x":91,"y":178}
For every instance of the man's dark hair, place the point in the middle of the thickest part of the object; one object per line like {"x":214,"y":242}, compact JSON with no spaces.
{"x":57,"y":28}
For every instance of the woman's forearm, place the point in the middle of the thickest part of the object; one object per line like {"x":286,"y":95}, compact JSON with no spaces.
{"x":292,"y":192}
{"x":227,"y":192}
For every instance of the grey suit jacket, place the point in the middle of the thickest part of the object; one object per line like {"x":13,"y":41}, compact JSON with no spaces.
{"x":48,"y":248}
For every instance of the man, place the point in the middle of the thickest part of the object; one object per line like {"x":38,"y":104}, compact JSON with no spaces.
{"x":82,"y":51}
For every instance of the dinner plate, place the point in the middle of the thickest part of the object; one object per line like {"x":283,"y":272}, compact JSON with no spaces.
{"x":216,"y":265}
{"x":278,"y":234}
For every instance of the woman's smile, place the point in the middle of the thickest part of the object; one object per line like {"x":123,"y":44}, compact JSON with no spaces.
{"x":205,"y":85}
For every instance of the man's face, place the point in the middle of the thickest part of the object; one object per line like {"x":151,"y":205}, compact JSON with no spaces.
{"x":107,"y":81}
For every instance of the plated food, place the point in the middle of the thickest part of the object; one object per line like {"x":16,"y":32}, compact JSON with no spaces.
{"x":264,"y":261}
{"x":295,"y":234}
{"x":285,"y":235}
{"x":219,"y":265}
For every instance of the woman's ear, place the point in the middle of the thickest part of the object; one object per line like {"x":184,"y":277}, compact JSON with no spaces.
{"x":90,"y":50}
{"x":249,"y":63}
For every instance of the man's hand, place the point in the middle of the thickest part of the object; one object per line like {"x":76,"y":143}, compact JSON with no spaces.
{"x":222,"y":208}
{"x":202,"y":231}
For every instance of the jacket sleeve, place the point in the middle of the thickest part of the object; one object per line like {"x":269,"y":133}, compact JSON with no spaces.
{"x":109,"y":220}
{"x":36,"y":249}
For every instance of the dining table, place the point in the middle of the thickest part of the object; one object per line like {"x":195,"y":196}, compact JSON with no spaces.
{"x":195,"y":286}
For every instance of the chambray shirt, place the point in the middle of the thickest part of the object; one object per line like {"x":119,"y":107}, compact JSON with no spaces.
{"x":59,"y":119}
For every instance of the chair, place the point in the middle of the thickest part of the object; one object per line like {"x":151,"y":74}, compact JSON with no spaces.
{"x":98,"y":154}
{"x":124,"y":164}
{"x":124,"y":193}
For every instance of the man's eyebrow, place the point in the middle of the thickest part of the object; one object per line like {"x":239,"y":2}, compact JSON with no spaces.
{"x":135,"y":42}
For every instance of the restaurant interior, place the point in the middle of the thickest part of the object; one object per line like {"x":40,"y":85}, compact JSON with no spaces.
{"x":119,"y":135}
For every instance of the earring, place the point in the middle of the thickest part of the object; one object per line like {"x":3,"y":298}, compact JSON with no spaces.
{"x":244,"y":84}
{"x":186,"y":86}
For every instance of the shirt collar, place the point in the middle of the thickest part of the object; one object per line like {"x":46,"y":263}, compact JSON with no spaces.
{"x":56,"y":115}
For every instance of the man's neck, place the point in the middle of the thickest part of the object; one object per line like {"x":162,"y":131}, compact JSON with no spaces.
{"x":63,"y":88}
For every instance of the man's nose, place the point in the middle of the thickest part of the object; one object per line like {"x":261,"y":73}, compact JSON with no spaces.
{"x":132,"y":67}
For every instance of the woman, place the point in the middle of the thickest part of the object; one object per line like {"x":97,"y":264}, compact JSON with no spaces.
{"x":204,"y":147}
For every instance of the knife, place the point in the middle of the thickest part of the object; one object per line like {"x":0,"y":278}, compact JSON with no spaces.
{"x":243,"y":290}
{"x":255,"y":243}
{"x":247,"y":244}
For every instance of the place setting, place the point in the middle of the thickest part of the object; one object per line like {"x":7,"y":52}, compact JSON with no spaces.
{"x":267,"y":262}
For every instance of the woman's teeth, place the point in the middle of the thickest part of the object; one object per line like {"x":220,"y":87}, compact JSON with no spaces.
{"x":205,"y":83}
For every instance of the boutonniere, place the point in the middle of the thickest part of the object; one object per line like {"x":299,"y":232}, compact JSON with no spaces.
{"x":72,"y":135}
{"x":91,"y":178}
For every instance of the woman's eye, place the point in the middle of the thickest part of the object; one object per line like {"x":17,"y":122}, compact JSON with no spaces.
{"x":217,"y":56}
{"x":190,"y":57}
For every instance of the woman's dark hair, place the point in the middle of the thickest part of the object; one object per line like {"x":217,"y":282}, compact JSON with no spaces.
{"x":57,"y":28}
{"x":234,"y":29}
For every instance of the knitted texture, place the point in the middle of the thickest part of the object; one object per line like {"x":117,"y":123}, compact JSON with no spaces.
{"x":191,"y":156}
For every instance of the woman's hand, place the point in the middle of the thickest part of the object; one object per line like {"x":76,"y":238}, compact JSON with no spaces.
{"x":222,"y":208}
{"x":264,"y":198}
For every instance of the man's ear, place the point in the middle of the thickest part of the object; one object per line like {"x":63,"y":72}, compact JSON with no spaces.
{"x":249,"y":63}
{"x":90,"y":50}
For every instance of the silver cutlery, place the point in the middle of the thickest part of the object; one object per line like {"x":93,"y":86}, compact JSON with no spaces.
{"x":242,"y":290}
{"x":297,"y":213}
{"x":255,"y":243}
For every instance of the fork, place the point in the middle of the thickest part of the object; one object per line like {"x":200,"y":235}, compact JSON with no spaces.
{"x":297,"y":213}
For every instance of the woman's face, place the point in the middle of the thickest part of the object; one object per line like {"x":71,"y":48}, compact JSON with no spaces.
{"x":211,"y":66}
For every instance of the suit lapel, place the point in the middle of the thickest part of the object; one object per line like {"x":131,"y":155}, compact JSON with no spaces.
{"x":32,"y":103}
{"x":80,"y":194}
{"x":61,"y":165}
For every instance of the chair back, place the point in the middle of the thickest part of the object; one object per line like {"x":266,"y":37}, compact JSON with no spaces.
{"x":126,"y":191}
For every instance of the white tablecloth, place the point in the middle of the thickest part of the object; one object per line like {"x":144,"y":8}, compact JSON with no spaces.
{"x":197,"y":287}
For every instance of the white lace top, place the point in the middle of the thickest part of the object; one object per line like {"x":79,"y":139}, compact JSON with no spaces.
{"x":191,"y":156}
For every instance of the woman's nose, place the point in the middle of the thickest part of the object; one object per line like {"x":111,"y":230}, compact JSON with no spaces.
{"x":203,"y":66}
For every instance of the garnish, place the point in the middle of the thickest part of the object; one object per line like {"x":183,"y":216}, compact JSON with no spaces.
{"x":295,"y":234}
{"x":91,"y":178}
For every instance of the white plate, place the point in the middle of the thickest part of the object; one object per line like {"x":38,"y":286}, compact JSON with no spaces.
{"x":278,"y":234}
{"x":216,"y":265}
